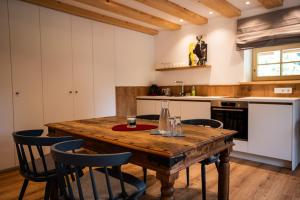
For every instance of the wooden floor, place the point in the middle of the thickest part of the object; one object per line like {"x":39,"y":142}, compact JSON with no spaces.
{"x":249,"y":181}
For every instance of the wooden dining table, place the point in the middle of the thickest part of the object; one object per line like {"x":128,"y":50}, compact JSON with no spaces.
{"x":167,"y":156}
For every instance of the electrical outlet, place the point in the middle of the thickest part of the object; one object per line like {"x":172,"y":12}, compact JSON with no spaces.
{"x":286,"y":90}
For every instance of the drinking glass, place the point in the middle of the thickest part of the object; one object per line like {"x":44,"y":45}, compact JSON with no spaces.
{"x":177,"y":127}
{"x":131,"y":121}
{"x":171,"y":130}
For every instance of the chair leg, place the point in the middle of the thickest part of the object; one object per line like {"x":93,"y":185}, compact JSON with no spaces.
{"x":203,"y":180}
{"x":47,"y":190}
{"x":187,"y":176}
{"x":23,"y":189}
{"x":145,"y":175}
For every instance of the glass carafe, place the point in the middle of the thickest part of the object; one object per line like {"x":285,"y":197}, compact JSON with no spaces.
{"x":163,"y":126}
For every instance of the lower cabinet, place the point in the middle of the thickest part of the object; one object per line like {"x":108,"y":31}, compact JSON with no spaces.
{"x":195,"y":110}
{"x":185,"y":109}
{"x":270,"y":130}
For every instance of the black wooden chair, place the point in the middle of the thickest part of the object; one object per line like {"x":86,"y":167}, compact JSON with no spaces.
{"x":34,"y":164}
{"x":152,"y":117}
{"x":104,"y":179}
{"x":212,"y":159}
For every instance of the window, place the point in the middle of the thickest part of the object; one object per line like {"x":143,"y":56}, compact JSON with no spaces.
{"x":276,"y":63}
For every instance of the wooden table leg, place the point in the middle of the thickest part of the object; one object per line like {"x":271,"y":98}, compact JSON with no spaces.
{"x":224,"y":170}
{"x":167,"y":185}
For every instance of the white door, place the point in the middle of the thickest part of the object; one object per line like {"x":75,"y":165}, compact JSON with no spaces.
{"x":195,"y":110}
{"x":6,"y":109}
{"x":270,"y":130}
{"x":104,"y":81}
{"x":26,"y":65}
{"x":56,"y":65}
{"x":82,"y":68}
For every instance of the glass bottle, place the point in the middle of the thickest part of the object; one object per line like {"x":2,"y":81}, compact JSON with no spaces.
{"x":163,"y":125}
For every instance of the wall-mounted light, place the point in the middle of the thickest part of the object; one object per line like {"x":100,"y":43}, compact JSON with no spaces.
{"x":247,"y":2}
{"x":211,"y":12}
{"x":181,"y":20}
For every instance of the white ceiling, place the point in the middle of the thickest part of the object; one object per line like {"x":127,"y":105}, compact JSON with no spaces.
{"x":247,"y":10}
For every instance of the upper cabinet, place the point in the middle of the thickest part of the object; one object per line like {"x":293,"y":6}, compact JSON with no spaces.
{"x":57,"y":65}
{"x":6,"y":108}
{"x":82,"y":53}
{"x":26,"y":65}
{"x":104,"y":69}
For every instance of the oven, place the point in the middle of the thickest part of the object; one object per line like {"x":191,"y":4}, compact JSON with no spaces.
{"x":234,"y":115}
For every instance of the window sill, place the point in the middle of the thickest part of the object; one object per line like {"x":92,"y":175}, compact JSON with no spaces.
{"x":270,"y":82}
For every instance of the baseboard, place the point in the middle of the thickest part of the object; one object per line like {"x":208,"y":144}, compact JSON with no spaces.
{"x":262,"y":159}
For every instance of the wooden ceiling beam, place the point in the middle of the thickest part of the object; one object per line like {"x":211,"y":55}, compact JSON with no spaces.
{"x":56,"y":5}
{"x":126,"y":11}
{"x":271,"y":3}
{"x":175,"y":10}
{"x":223,"y":7}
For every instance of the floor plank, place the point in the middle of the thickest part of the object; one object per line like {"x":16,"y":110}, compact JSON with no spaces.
{"x":248,"y":181}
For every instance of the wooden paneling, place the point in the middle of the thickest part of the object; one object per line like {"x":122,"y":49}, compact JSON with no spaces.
{"x":223,"y":7}
{"x":175,"y":10}
{"x":132,"y":13}
{"x":126,"y":99}
{"x":271,"y":3}
{"x":56,"y":5}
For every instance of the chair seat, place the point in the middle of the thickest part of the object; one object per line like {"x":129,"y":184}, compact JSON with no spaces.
{"x":86,"y":184}
{"x":40,"y":167}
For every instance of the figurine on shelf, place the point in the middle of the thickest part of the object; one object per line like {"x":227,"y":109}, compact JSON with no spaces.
{"x":200,"y":50}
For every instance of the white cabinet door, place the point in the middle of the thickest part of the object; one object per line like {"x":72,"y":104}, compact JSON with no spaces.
{"x":270,"y":130}
{"x":26,"y":65}
{"x":148,"y":107}
{"x":56,"y":65}
{"x":6,"y":109}
{"x":104,"y":81}
{"x":82,"y":68}
{"x":195,"y":110}
{"x":174,"y":107}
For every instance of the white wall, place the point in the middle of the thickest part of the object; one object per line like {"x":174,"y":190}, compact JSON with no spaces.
{"x":134,"y":54}
{"x":226,"y":62}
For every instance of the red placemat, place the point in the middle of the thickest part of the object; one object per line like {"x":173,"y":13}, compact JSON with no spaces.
{"x":139,"y":127}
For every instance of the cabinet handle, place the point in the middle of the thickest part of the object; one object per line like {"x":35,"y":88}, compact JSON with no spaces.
{"x":70,"y":92}
{"x":76,"y":92}
{"x":17,"y":93}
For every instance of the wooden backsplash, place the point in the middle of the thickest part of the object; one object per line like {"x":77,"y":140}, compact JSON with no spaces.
{"x":126,"y":96}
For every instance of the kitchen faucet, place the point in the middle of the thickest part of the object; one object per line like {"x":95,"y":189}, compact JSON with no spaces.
{"x":181,"y":93}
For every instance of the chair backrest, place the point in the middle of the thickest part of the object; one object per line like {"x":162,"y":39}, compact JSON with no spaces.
{"x":204,"y":122}
{"x":148,"y":117}
{"x":69,"y":164}
{"x":31,"y":152}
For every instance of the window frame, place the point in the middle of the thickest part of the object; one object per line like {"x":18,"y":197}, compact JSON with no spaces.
{"x":272,"y":48}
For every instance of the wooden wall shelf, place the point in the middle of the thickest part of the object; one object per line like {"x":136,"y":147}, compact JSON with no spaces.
{"x":182,"y":68}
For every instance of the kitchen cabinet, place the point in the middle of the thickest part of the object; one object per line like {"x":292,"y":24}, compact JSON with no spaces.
{"x":56,"y":65}
{"x":82,"y":54}
{"x":104,"y":69}
{"x":26,"y":65}
{"x":148,"y":107}
{"x":6,"y":107}
{"x":195,"y":110}
{"x":270,"y":130}
{"x":185,"y":109}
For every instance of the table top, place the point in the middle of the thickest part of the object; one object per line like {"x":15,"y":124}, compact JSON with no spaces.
{"x":101,"y":129}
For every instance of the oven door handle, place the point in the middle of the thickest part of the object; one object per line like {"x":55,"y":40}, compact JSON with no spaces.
{"x":228,"y":109}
